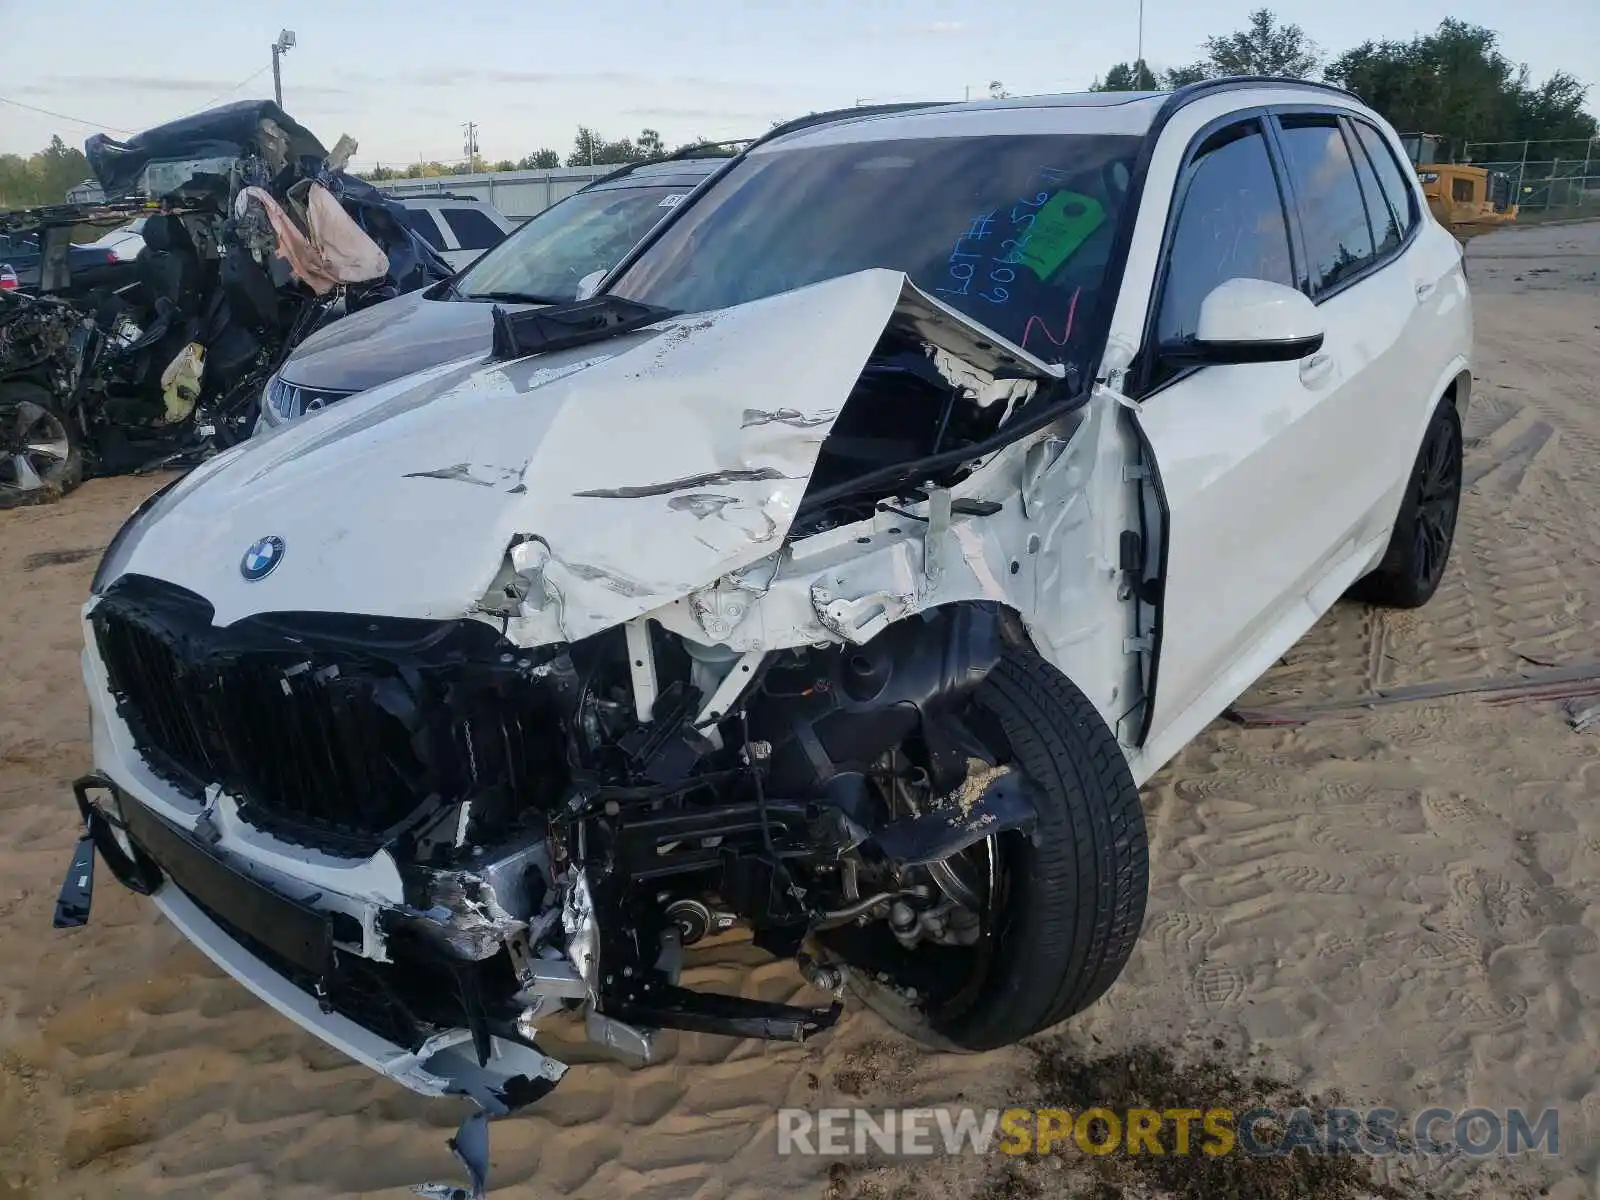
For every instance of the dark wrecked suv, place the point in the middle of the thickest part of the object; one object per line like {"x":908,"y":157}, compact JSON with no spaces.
{"x":106,"y":369}
{"x":836,"y":573}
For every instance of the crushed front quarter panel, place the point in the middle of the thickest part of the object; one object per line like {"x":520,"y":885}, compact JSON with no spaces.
{"x":1049,"y":552}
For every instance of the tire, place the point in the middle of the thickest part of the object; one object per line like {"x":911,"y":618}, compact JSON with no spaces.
{"x":1074,"y":895}
{"x":41,"y":457}
{"x":1419,"y":548}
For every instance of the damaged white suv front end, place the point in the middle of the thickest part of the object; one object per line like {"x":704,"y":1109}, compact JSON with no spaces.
{"x":515,"y":768}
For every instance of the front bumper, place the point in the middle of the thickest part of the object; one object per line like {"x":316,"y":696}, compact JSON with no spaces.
{"x":200,"y":894}
{"x":351,"y":891}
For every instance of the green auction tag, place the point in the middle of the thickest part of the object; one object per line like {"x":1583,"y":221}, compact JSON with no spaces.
{"x":1059,"y":228}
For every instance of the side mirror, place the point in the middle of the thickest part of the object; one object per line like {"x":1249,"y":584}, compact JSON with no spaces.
{"x":589,"y":284}
{"x":1251,"y":321}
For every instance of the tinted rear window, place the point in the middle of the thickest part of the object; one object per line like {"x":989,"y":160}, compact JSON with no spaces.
{"x":1015,"y":232}
{"x":472,"y":228}
{"x":1400,"y":193}
{"x":19,"y":244}
{"x":584,"y":233}
{"x":421,"y":220}
{"x":1332,"y":213}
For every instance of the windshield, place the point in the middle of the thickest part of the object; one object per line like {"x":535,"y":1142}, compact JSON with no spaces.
{"x":19,"y":245}
{"x":1015,"y":232}
{"x":169,"y":174}
{"x":586,"y":232}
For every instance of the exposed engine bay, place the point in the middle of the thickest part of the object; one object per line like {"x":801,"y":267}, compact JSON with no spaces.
{"x":561,"y":835}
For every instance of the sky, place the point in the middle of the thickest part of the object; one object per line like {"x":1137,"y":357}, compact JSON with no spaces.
{"x":402,"y":76}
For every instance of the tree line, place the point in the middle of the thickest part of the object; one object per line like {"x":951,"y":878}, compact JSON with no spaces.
{"x":589,"y":148}
{"x":41,"y":178}
{"x":1454,"y":82}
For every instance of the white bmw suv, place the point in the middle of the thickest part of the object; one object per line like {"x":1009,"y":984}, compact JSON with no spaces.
{"x":839,"y":571}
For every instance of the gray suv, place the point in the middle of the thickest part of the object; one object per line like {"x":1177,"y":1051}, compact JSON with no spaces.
{"x":542,"y":263}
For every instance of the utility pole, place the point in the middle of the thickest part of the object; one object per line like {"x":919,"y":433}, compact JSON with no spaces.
{"x":470,"y":144}
{"x":1138,"y":57}
{"x":282,"y":46}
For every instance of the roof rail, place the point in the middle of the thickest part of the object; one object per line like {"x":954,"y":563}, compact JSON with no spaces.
{"x":430,"y":196}
{"x":843,"y":114}
{"x":720,"y":149}
{"x":1192,"y":91}
{"x":726,"y":148}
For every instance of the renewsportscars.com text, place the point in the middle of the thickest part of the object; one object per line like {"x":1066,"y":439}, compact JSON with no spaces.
{"x":1259,"y":1132}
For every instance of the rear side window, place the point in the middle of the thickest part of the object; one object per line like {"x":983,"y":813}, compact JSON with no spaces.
{"x":1380,"y":218}
{"x":1232,"y":225}
{"x":473,"y":229}
{"x":1401,"y":195}
{"x":1332,"y":214}
{"x":421,"y":220}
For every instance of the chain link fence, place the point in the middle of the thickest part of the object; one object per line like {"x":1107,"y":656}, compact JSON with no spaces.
{"x":1548,"y":179}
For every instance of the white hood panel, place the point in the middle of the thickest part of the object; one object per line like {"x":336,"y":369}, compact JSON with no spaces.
{"x":649,"y":464}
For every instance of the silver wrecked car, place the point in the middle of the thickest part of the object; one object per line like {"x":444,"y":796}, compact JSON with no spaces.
{"x":543,"y":262}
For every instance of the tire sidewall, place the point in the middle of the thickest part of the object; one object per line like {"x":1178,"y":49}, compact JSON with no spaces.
{"x":1042,"y":968}
{"x":18,"y":391}
{"x":1396,"y":581}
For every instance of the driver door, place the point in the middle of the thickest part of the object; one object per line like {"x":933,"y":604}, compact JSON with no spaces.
{"x":1255,"y":459}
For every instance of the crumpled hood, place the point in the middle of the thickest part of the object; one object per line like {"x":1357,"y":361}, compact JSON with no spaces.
{"x":648,"y":466}
{"x":388,"y":340}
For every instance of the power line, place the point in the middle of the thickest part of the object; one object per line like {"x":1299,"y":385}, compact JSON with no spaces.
{"x":230,"y":91}
{"x":63,"y":116}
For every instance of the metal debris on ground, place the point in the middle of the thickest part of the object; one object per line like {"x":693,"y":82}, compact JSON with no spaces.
{"x":1558,"y":684}
{"x":1582,"y":717}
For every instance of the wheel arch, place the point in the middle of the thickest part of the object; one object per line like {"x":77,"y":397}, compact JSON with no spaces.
{"x":1454,"y":383}
{"x":1459,"y":391}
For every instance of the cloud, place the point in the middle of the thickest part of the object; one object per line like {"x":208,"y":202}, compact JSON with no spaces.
{"x":226,"y":89}
{"x":613,"y":79}
{"x":668,"y":113}
{"x":927,"y":29}
{"x":143,"y":83}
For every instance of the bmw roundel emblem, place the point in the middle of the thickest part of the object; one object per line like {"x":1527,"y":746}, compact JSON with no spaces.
{"x":262,"y":558}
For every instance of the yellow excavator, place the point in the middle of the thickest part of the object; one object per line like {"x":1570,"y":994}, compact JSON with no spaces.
{"x":1463,"y":198}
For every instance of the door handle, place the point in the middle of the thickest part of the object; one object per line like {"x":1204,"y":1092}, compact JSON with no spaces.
{"x":1315,"y":369}
{"x":1424,"y":290}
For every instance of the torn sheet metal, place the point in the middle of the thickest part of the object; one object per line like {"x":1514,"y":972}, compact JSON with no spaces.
{"x":1049,"y":552}
{"x":473,"y":912}
{"x":646,"y":473}
{"x":471,"y":1149}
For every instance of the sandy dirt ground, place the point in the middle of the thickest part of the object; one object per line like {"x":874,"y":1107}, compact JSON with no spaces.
{"x":1397,"y":906}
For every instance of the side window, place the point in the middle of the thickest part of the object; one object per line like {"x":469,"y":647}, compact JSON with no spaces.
{"x":1231,"y":225}
{"x":473,"y":229}
{"x":1380,"y":218}
{"x":1396,"y":185}
{"x":1332,"y":215}
{"x":422,"y":222}
{"x":1462,"y":191}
